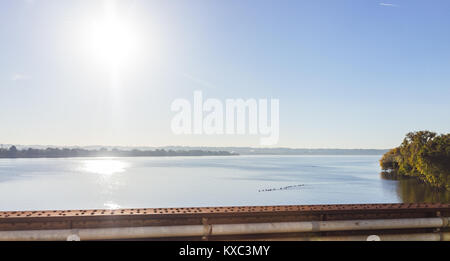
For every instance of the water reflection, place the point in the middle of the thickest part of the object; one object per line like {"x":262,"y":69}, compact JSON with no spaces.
{"x":111,"y":205}
{"x":411,"y":191}
{"x":104,"y":167}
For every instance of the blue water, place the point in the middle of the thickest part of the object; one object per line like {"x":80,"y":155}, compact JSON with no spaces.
{"x":88,"y":183}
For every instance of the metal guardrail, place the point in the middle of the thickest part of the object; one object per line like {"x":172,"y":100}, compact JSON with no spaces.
{"x":300,"y":222}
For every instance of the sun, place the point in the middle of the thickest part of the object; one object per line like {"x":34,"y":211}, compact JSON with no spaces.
{"x":113,"y":39}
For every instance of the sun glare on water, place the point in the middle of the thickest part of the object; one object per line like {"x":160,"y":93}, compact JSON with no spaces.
{"x":104,"y":167}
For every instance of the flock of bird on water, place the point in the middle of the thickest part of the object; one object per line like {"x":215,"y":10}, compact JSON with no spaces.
{"x":282,"y":188}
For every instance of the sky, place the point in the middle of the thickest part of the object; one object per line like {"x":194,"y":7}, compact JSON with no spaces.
{"x":347,"y":73}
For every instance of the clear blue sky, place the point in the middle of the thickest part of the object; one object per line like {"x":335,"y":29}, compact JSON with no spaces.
{"x":348,"y":73}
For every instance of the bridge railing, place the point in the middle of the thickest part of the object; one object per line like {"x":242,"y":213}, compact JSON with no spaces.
{"x":301,"y":222}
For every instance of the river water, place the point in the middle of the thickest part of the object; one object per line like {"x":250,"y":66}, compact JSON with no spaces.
{"x":92,"y":183}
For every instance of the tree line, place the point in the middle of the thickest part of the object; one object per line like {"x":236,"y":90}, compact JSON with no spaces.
{"x":13,"y":152}
{"x":423,"y":155}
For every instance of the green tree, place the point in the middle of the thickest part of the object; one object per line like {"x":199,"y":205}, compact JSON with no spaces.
{"x":422,"y":154}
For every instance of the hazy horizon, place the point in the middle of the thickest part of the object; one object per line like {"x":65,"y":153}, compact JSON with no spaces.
{"x":167,"y":146}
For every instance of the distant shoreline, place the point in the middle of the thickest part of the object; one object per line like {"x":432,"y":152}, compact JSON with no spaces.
{"x":14,"y":153}
{"x":191,"y":156}
{"x":223,"y":150}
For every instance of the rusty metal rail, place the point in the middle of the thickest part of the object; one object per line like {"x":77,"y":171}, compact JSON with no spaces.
{"x":429,"y":220}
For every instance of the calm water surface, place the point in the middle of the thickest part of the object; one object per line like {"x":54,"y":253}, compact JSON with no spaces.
{"x":86,"y":183}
